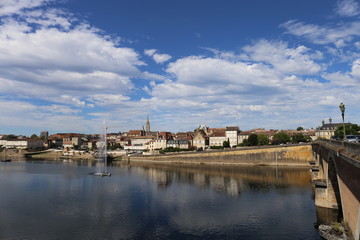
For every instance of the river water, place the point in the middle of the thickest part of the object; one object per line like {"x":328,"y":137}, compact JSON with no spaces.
{"x":63,"y":200}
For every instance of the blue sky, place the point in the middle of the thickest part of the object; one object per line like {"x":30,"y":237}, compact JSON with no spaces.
{"x":68,"y":65}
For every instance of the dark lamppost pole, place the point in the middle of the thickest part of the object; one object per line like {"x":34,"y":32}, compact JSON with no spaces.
{"x":342,"y":109}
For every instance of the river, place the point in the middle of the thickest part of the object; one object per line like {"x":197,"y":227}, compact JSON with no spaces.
{"x":63,"y":200}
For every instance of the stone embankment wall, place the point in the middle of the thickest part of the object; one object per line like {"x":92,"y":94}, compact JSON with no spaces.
{"x":299,"y":155}
{"x":12,"y":154}
{"x":58,"y":155}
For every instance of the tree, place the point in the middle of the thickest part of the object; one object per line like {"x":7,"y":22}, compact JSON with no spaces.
{"x":299,"y":129}
{"x":226,"y":144}
{"x":10,"y":137}
{"x":281,"y":137}
{"x":263,"y":139}
{"x":351,"y":129}
{"x":299,"y":137}
{"x":253,"y":140}
{"x":34,"y":136}
{"x":245,"y":142}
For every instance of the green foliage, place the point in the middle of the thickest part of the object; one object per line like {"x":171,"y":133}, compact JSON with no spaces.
{"x":263,"y":139}
{"x":245,"y":142}
{"x":10,"y":137}
{"x":172,"y":149}
{"x":281,"y":137}
{"x":34,"y":136}
{"x":216,"y":147}
{"x":115,"y":146}
{"x":299,"y":137}
{"x":226,"y":144}
{"x":253,"y":140}
{"x":350,"y":129}
{"x":299,"y":129}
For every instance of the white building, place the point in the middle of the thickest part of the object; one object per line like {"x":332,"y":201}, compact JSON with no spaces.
{"x":139,"y":143}
{"x":23,"y":143}
{"x":231,"y":133}
{"x":217,"y":139}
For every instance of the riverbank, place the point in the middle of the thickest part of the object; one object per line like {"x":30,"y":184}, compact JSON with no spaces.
{"x":294,"y":155}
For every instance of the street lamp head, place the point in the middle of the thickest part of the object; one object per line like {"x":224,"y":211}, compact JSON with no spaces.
{"x":342,"y":108}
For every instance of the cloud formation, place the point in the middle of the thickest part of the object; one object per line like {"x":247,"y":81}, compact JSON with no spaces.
{"x":347,"y":8}
{"x":56,"y":68}
{"x":157,"y":57}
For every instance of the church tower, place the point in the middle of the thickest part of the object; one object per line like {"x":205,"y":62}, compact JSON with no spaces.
{"x":147,"y":129}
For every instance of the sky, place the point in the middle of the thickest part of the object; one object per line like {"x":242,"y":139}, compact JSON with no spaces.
{"x":71,"y":65}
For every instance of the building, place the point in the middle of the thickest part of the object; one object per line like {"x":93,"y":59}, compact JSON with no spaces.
{"x":139,"y":143}
{"x":327,"y":130}
{"x":24,"y":144}
{"x":44,"y":134}
{"x":182,"y":144}
{"x":147,"y":127}
{"x":231,"y":133}
{"x":217,"y":138}
{"x":135,"y":133}
{"x":200,"y":140}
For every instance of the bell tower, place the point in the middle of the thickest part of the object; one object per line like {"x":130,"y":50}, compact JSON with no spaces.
{"x":147,"y":128}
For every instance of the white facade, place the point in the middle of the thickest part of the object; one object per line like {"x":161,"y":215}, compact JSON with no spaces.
{"x":231,"y":134}
{"x":159,"y":144}
{"x":23,"y":143}
{"x":217,"y":141}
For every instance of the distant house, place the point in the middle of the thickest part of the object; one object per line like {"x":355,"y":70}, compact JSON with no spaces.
{"x":135,"y":133}
{"x":217,"y":138}
{"x":231,"y":133}
{"x":200,"y":140}
{"x":139,"y":143}
{"x":243,"y":135}
{"x":182,"y":144}
{"x":327,"y":130}
{"x":189,"y":136}
{"x":25,"y":143}
{"x":70,"y":140}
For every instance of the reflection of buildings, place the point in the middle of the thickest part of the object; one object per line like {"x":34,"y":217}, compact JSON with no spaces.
{"x":218,"y":183}
{"x":160,"y":177}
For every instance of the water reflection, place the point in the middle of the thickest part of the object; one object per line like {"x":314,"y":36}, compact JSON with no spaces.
{"x":229,"y":180}
{"x":42,"y":200}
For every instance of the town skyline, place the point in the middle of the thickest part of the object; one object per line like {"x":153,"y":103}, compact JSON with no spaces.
{"x":66,"y":66}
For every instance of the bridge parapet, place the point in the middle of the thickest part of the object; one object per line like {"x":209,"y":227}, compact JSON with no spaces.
{"x":351,"y":148}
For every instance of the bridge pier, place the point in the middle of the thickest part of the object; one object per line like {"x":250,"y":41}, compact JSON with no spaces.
{"x":336,"y":177}
{"x":324,"y":178}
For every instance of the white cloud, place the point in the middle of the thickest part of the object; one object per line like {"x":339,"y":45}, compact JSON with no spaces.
{"x":157,"y":57}
{"x":51,"y":58}
{"x":281,"y":57}
{"x":107,"y":99}
{"x":347,"y":8}
{"x":8,"y":7}
{"x":339,"y":35}
{"x":150,"y":52}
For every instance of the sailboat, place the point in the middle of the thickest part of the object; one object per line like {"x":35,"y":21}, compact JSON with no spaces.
{"x":103,"y":155}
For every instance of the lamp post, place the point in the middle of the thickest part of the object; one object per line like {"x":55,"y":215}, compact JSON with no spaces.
{"x":342,"y":109}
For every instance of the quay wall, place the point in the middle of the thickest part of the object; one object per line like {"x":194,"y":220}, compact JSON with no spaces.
{"x":299,"y":155}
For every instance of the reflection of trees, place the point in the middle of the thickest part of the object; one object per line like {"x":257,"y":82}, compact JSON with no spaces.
{"x":229,"y":180}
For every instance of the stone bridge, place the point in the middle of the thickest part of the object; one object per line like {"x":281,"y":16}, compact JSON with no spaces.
{"x":336,"y":175}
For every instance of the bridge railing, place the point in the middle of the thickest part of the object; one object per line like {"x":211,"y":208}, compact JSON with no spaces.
{"x":352,"y":148}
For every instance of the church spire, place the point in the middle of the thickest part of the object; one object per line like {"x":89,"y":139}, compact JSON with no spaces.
{"x":147,"y":124}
